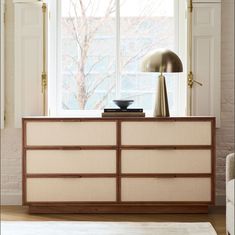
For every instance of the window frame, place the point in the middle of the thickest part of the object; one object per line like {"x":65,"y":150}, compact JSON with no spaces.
{"x":54,"y":83}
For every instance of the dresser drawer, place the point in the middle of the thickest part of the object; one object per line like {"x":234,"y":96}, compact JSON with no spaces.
{"x":70,"y":133}
{"x":166,"y":133}
{"x":70,"y":189}
{"x":166,"y":161}
{"x":166,"y":189}
{"x":70,"y":161}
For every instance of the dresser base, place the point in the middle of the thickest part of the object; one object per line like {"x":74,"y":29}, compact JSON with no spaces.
{"x":50,"y":209}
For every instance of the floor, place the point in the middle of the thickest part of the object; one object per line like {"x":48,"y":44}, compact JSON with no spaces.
{"x":216,"y":217}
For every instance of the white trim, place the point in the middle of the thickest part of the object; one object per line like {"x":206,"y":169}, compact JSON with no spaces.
{"x":182,"y":52}
{"x":58,"y":60}
{"x":11,"y":198}
{"x":181,"y":38}
{"x":52,"y":56}
{"x":118,"y":56}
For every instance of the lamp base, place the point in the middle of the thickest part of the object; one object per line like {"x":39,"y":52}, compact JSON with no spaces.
{"x":161,"y":103}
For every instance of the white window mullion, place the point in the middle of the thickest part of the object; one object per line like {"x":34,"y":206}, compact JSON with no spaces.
{"x":59,"y":57}
{"x":59,"y":63}
{"x":176,"y":49}
{"x":181,"y":35}
{"x":176,"y":17}
{"x":118,"y":72}
{"x":53,"y":37}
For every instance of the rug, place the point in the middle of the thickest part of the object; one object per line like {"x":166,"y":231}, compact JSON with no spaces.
{"x":104,"y":228}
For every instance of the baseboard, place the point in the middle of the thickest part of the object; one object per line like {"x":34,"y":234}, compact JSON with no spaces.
{"x":11,"y":199}
{"x":220,"y":200}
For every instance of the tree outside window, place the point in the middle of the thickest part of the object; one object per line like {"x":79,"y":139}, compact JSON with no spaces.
{"x":102,"y":45}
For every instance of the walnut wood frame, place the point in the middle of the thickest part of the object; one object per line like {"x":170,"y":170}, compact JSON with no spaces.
{"x":118,"y":206}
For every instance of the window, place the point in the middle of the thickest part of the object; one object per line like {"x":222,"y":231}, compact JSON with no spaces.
{"x":100,"y":45}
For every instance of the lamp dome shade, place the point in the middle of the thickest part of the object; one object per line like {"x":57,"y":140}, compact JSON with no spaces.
{"x":162,"y":60}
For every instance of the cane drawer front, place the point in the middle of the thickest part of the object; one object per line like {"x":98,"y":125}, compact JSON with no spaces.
{"x":166,"y":189}
{"x":65,"y":133}
{"x":70,"y":161}
{"x":166,"y":161}
{"x":71,"y":189}
{"x":166,"y":133}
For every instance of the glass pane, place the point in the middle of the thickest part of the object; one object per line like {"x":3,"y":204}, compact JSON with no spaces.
{"x":87,"y":54}
{"x":145,"y":25}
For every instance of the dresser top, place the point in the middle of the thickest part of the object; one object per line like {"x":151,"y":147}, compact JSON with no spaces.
{"x":185,"y":118}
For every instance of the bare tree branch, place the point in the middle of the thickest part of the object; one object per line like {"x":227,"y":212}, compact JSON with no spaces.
{"x":101,"y":101}
{"x":97,"y":84}
{"x":93,"y":66}
{"x":83,"y":27}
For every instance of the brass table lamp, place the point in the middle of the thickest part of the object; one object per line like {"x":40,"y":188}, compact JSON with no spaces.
{"x":162,"y":61}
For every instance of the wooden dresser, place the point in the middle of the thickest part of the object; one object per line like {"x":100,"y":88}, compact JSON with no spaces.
{"x":118,"y":165}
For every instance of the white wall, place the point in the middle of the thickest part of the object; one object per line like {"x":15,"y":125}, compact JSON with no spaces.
{"x":11,"y":137}
{"x":225,"y":135}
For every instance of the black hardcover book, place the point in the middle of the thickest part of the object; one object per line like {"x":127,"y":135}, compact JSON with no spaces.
{"x":123,"y":110}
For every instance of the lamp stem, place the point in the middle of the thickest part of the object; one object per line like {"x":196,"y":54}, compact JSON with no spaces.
{"x":161,"y":104}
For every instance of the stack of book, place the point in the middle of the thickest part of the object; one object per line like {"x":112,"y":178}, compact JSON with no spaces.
{"x":123,"y":113}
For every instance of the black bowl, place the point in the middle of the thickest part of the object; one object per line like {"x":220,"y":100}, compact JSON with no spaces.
{"x":123,"y":104}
